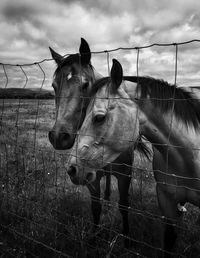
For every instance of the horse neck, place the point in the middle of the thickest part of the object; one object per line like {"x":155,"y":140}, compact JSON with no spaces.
{"x":161,"y":131}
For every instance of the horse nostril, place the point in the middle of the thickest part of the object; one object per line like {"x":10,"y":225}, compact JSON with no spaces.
{"x":61,"y":140}
{"x":65,"y":136}
{"x":89,"y":177}
{"x":72,"y":171}
{"x":67,"y":140}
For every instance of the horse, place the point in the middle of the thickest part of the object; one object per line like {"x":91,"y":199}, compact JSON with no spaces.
{"x":72,"y":83}
{"x":168,"y":116}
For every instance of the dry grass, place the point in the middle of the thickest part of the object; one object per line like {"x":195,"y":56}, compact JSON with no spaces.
{"x":43,"y":214}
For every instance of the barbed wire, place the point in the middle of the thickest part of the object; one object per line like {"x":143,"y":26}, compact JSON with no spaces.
{"x":32,"y":188}
{"x":112,"y":50}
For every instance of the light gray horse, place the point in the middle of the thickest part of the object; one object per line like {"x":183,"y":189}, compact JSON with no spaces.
{"x":169,"y":117}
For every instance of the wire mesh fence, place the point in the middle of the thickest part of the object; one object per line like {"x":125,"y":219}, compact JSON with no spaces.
{"x":43,"y":214}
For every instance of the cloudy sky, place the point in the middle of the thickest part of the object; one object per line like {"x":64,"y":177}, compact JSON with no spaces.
{"x":28,"y":28}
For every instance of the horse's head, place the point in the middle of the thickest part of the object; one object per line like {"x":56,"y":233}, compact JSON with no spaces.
{"x":72,"y":85}
{"x":110,"y":127}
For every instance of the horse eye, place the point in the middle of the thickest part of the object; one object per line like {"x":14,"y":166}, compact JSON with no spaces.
{"x":99,"y":118}
{"x":84,"y":86}
{"x":73,"y":70}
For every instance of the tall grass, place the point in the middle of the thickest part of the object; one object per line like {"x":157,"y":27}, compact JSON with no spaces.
{"x":43,"y":214}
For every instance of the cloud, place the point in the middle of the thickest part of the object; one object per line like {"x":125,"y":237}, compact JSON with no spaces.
{"x":15,"y":12}
{"x":28,"y":27}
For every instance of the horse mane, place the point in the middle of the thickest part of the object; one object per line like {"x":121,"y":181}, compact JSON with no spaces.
{"x":142,"y":147}
{"x":164,"y":96}
{"x":167,"y":96}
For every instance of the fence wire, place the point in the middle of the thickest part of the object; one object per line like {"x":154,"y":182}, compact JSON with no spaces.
{"x":44,"y":215}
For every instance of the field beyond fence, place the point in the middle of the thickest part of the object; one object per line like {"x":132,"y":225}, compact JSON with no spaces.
{"x":44,"y":215}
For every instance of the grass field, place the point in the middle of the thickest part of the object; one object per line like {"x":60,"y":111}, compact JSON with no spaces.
{"x":44,"y":215}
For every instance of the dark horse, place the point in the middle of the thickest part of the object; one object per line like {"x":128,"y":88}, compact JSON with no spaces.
{"x":72,"y":83}
{"x":168,"y":116}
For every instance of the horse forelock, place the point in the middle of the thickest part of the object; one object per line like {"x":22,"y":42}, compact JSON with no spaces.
{"x":69,"y":61}
{"x":99,"y":84}
{"x":85,"y":73}
{"x":105,"y":81}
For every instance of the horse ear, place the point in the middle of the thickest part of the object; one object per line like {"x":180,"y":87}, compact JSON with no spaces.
{"x":116,"y":74}
{"x":55,"y":56}
{"x":85,"y":52}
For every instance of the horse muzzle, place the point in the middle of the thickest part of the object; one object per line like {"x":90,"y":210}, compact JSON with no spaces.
{"x":78,"y":175}
{"x":61,"y":141}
